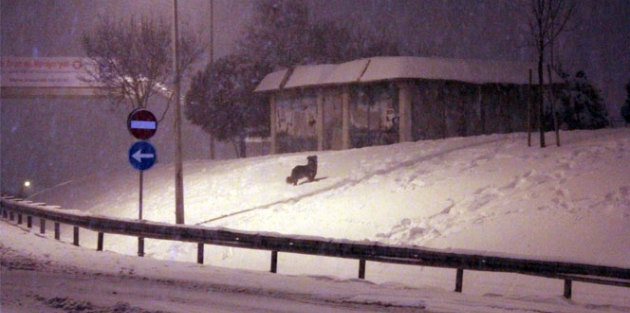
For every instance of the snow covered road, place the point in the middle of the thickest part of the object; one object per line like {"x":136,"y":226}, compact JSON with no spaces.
{"x":37,"y":283}
{"x":27,"y":291}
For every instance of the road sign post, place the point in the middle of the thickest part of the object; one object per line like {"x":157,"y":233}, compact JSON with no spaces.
{"x":140,"y":239}
{"x":142,"y":124}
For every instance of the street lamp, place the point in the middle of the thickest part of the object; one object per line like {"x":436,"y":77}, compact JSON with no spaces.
{"x":179,"y":172}
{"x":25,"y":189}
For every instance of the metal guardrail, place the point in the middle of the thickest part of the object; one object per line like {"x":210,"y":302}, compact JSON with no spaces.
{"x":362,"y":251}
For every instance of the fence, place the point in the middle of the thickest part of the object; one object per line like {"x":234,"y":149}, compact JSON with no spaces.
{"x":361,"y":251}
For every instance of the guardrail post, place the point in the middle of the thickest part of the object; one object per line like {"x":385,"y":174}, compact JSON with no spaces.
{"x":459,"y":280}
{"x":140,"y":246}
{"x":362,"y":269}
{"x":29,"y":221}
{"x":19,"y":219}
{"x":99,"y":244}
{"x":76,"y":236}
{"x":11,"y":217}
{"x":42,"y":226}
{"x":200,"y":253}
{"x":57,"y":231}
{"x":274,"y":261}
{"x":568,"y":288}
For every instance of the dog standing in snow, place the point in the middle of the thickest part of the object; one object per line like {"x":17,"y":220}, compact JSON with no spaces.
{"x":309,"y":171}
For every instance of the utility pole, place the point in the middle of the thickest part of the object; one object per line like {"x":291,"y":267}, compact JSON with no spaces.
{"x":212,"y":141}
{"x":179,"y":172}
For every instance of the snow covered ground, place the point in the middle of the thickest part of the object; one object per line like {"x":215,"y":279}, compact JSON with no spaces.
{"x":491,"y":194}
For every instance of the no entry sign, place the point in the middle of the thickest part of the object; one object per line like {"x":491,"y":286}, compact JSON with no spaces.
{"x":142,"y":124}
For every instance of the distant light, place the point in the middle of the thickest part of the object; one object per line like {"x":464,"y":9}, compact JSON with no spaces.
{"x":27,"y":183}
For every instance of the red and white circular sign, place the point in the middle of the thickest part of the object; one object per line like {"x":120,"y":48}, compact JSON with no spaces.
{"x":142,"y":124}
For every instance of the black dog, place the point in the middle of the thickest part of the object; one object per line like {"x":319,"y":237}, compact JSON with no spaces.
{"x":309,"y":171}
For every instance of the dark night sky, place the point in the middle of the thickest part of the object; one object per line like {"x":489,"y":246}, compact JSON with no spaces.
{"x":599,"y":42}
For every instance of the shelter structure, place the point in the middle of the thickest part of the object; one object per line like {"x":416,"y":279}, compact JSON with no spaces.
{"x":383,"y":100}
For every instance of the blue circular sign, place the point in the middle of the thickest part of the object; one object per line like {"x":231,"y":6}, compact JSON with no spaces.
{"x":142,"y":155}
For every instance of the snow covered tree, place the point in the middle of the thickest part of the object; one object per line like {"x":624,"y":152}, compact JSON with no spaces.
{"x":582,"y":106}
{"x":133,"y":58}
{"x":221,"y":100}
{"x":625,"y":110}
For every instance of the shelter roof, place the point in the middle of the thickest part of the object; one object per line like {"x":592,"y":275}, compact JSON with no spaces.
{"x":404,"y":67}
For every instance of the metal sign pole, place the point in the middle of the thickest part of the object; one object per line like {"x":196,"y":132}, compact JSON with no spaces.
{"x":140,"y":202}
{"x":142,"y":124}
{"x":140,"y":239}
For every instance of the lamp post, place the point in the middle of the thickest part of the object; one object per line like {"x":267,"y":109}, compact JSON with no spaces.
{"x":212,"y":154}
{"x":179,"y":172}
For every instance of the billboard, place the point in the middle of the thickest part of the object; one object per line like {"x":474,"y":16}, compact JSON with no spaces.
{"x":43,"y":72}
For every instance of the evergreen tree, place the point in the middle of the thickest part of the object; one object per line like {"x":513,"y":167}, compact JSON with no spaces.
{"x":347,"y":40}
{"x":282,"y":34}
{"x":221,"y":100}
{"x":582,"y":106}
{"x":276,"y":33}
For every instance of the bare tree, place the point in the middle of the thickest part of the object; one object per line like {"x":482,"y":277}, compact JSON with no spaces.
{"x":132,"y":59}
{"x":547,"y":20}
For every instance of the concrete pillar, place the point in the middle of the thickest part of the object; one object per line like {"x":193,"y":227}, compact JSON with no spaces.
{"x":404,"y":112}
{"x":320,"y":119}
{"x":274,"y":123}
{"x":345,"y":118}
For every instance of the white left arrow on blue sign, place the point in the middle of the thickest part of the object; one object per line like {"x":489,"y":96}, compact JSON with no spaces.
{"x":138,"y":155}
{"x":142,"y":155}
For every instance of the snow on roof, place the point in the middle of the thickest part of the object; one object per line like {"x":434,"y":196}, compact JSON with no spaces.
{"x":273,"y":81}
{"x":349,"y":72}
{"x":310,"y":75}
{"x":392,"y":68}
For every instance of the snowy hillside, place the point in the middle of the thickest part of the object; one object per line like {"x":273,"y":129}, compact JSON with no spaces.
{"x":488,"y":193}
